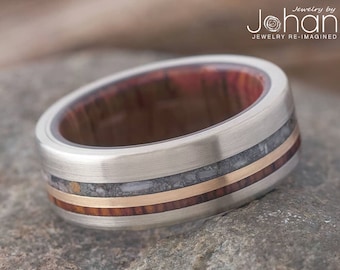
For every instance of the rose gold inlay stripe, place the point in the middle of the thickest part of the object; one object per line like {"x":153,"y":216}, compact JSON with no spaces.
{"x":168,"y":206}
{"x":178,"y":194}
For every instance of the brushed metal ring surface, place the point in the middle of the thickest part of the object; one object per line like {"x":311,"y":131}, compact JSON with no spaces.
{"x":169,"y":142}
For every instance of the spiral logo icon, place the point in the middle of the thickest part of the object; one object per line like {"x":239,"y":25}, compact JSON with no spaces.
{"x":272,"y":23}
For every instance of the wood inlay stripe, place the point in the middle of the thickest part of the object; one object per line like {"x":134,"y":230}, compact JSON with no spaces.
{"x":185,"y":192}
{"x":189,"y":201}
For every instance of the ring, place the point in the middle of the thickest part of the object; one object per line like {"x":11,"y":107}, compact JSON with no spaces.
{"x":169,"y":142}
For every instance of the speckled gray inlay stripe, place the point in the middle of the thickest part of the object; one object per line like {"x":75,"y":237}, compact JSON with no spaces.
{"x":182,"y":179}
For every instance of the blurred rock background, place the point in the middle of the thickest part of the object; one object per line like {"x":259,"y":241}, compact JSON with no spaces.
{"x":72,"y":42}
{"x":34,"y":29}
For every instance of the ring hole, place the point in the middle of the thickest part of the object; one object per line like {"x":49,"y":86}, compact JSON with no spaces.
{"x":161,"y":105}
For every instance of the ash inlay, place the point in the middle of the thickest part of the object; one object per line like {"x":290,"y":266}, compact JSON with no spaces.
{"x":186,"y":202}
{"x":180,"y":180}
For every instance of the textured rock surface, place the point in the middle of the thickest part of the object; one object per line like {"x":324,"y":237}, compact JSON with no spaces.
{"x":297,"y":226}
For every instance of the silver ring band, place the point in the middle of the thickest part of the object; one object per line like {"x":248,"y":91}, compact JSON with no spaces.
{"x":169,"y":142}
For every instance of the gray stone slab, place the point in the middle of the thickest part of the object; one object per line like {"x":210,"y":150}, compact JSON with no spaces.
{"x":297,"y":226}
